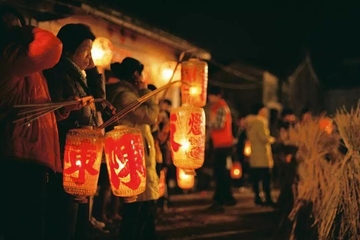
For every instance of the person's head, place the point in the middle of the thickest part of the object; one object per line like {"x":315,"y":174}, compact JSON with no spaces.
{"x":240,"y":121}
{"x":260,"y":110}
{"x":214,"y":94}
{"x":77,"y":40}
{"x":10,"y":18}
{"x":305,"y":115}
{"x":165,"y":105}
{"x":288,"y":115}
{"x":130,"y":70}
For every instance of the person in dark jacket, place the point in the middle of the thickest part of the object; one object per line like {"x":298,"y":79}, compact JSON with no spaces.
{"x":74,"y":75}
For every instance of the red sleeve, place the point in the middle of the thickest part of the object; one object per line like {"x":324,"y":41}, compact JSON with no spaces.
{"x":42,"y":53}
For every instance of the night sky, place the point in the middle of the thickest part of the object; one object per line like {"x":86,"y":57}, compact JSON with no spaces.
{"x":266,"y":34}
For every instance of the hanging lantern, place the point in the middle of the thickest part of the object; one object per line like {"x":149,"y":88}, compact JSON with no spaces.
{"x":101,"y":52}
{"x":125,"y":159}
{"x":187,"y":137}
{"x":162,"y":184}
{"x":326,"y":124}
{"x":185,"y":181}
{"x":236,"y":170}
{"x":82,"y":160}
{"x":247,"y":149}
{"x":195,"y":73}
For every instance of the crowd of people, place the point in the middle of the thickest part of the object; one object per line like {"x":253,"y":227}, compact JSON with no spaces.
{"x":39,"y":67}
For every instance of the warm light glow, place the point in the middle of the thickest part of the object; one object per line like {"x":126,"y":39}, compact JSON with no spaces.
{"x":78,"y":163}
{"x":237,"y":172}
{"x":102,"y":52}
{"x":326,"y":124}
{"x":247,"y":149}
{"x":185,"y":181}
{"x":194,"y":90}
{"x":185,"y":145}
{"x":166,"y":73}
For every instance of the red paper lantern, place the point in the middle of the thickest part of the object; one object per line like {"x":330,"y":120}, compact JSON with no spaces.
{"x":236,"y":170}
{"x":187,"y":137}
{"x":82,"y":160}
{"x":162,"y":183}
{"x":125,"y":158}
{"x":195,"y":73}
{"x":326,"y":124}
{"x":184,"y":180}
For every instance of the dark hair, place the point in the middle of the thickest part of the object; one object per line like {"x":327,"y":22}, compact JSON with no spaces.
{"x":167,"y":101}
{"x":125,"y":70}
{"x":286,"y":111}
{"x":213,"y":90}
{"x":9,"y":10}
{"x":152,"y":87}
{"x":256,"y":108}
{"x":305,"y":110}
{"x":73,"y":34}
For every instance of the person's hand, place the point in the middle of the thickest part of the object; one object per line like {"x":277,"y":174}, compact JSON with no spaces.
{"x":91,"y":64}
{"x":82,"y":102}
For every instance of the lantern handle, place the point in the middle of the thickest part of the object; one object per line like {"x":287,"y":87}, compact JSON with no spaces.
{"x":136,"y":104}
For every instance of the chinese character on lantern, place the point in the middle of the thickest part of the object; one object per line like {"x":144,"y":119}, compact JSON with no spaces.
{"x":185,"y":178}
{"x":82,"y":159}
{"x":195,"y":74}
{"x":187,"y":136}
{"x":125,"y":159}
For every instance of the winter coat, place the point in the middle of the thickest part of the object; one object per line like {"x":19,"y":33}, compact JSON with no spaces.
{"x":22,"y":82}
{"x":258,"y":134}
{"x":66,"y":80}
{"x":121,"y":95}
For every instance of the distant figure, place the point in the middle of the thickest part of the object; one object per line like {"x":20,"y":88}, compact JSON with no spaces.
{"x":261,"y":160}
{"x":220,"y":128}
{"x":305,"y":115}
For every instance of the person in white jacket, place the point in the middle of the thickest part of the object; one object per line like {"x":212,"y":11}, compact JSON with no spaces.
{"x":261,"y":161}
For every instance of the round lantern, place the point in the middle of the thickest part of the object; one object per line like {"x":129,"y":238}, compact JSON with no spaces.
{"x":185,"y":181}
{"x":125,"y":158}
{"x":162,"y":184}
{"x":247,"y":149}
{"x":326,"y":124}
{"x":236,"y":170}
{"x":82,"y":160}
{"x":102,"y":52}
{"x":187,"y":137}
{"x":195,"y":73}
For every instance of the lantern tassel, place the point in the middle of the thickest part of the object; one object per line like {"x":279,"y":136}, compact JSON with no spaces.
{"x":136,"y":104}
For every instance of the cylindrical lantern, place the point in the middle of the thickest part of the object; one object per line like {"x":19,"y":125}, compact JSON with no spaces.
{"x":125,"y":158}
{"x":185,"y":181}
{"x":162,"y":184}
{"x":82,"y":160}
{"x":102,"y":52}
{"x":236,"y":170}
{"x":187,"y":137}
{"x":195,"y":73}
{"x":247,"y":149}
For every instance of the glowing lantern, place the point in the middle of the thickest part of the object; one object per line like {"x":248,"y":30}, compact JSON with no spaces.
{"x":125,"y":158}
{"x":247,"y":149}
{"x":236,"y":170}
{"x":195,"y":73}
{"x":82,"y":160}
{"x":102,"y":52}
{"x":187,"y":137}
{"x":326,"y":124}
{"x":162,"y":183}
{"x":185,"y":181}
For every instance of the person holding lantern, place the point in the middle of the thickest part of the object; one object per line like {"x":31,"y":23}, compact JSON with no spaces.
{"x":220,"y":129}
{"x":74,"y":75}
{"x":138,"y":218}
{"x":29,"y":153}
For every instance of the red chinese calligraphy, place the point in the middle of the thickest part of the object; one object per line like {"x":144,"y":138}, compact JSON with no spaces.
{"x":81,"y":159}
{"x":197,"y":148}
{"x":174,"y":145}
{"x":195,"y":123}
{"x":126,"y":156}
